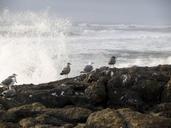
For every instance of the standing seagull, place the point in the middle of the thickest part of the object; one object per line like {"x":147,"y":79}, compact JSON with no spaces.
{"x":112,"y":61}
{"x":10,"y":81}
{"x":66,"y":70}
{"x":88,"y":68}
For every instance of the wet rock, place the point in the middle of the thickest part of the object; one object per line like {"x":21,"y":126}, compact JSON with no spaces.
{"x":119,"y":95}
{"x":8,"y":125}
{"x":68,"y":102}
{"x":97,"y":92}
{"x":149,"y":90}
{"x":70,"y":114}
{"x":27,"y":122}
{"x":163,"y":109}
{"x":17,"y":113}
{"x":80,"y":126}
{"x":166,"y":95}
{"x":9,"y":93}
{"x":107,"y":118}
{"x":135,"y":119}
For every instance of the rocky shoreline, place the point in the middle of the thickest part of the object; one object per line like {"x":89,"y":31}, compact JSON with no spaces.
{"x":135,"y":97}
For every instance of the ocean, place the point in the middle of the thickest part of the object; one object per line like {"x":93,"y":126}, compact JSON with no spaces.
{"x":37,"y":46}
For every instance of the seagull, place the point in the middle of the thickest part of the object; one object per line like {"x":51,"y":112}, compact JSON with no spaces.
{"x":66,"y":70}
{"x":112,"y":61}
{"x":88,"y":68}
{"x":10,"y":81}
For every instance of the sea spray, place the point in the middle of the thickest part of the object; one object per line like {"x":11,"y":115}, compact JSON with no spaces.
{"x":38,"y":45}
{"x":32,"y":45}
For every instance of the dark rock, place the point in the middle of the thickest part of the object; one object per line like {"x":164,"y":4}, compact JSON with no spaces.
{"x":8,"y":125}
{"x":106,"y":118}
{"x":166,"y":95}
{"x":125,"y":118}
{"x":67,"y":103}
{"x":149,"y":90}
{"x":80,"y":126}
{"x":138,"y":120}
{"x":70,"y":114}
{"x":17,"y":113}
{"x":163,"y":109}
{"x":97,"y":92}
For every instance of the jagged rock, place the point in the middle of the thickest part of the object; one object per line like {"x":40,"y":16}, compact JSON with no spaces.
{"x":17,"y":113}
{"x":120,"y":95}
{"x":70,"y":101}
{"x":97,"y":92}
{"x":8,"y":125}
{"x":80,"y":126}
{"x":135,"y":119}
{"x":70,"y":114}
{"x":125,"y":118}
{"x":57,"y":117}
{"x":106,"y":118}
{"x":163,"y":109}
{"x":7,"y":103}
{"x":27,"y":122}
{"x":166,"y":96}
{"x":149,"y":90}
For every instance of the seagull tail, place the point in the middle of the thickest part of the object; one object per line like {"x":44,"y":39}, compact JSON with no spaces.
{"x":1,"y":85}
{"x":82,"y":72}
{"x":62,"y":73}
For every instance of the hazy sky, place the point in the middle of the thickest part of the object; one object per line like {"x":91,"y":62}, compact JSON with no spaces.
{"x":100,"y":11}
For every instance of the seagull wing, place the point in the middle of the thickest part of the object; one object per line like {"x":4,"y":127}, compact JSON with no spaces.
{"x":88,"y":68}
{"x":7,"y":81}
{"x":112,"y":61}
{"x":65,"y":70}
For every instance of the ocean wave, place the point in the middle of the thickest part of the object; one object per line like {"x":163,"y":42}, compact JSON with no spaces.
{"x":36,"y":46}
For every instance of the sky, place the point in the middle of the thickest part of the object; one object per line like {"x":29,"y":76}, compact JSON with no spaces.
{"x":99,"y":11}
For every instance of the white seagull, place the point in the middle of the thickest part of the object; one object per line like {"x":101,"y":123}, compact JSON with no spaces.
{"x":10,"y":81}
{"x":66,"y":70}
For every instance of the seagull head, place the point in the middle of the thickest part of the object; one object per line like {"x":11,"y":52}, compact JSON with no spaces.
{"x":68,"y":63}
{"x":14,"y":74}
{"x":113,"y":57}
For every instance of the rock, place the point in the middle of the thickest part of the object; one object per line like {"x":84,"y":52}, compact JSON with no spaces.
{"x":107,"y":118}
{"x":70,"y":114}
{"x":9,"y":93}
{"x":149,"y":90}
{"x":97,"y":92}
{"x":163,"y":109}
{"x":119,"y":95}
{"x":166,"y":95}
{"x":125,"y":118}
{"x":57,"y":117}
{"x":7,"y":103}
{"x":80,"y":126}
{"x":8,"y":125}
{"x":27,"y":122}
{"x":17,"y":113}
{"x":135,"y":119}
{"x":67,"y":103}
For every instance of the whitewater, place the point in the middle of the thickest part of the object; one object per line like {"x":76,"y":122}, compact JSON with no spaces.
{"x":37,"y":46}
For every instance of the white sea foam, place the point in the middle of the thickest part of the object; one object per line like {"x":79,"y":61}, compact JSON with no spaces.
{"x":33,"y":46}
{"x":36,"y":45}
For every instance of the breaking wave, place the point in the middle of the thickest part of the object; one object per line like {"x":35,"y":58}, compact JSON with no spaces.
{"x":37,"y":45}
{"x":33,"y":45}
